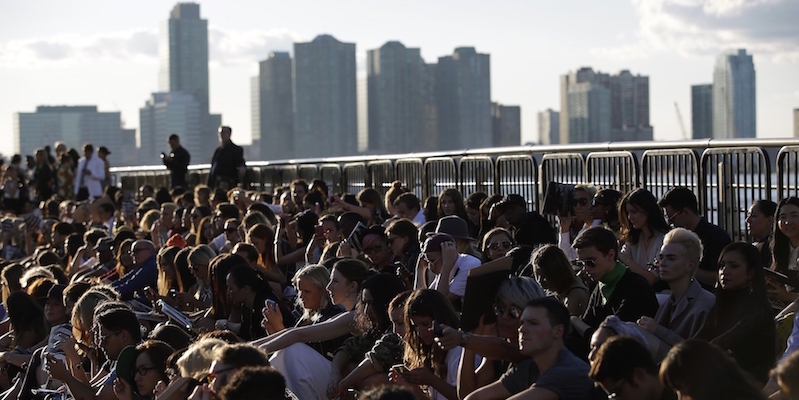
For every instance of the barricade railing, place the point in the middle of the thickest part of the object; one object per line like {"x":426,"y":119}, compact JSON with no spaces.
{"x":726,"y":175}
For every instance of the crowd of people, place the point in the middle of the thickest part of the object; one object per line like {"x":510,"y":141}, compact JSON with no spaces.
{"x":217,"y":292}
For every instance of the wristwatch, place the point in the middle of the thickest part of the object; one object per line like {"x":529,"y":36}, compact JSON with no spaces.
{"x":464,"y":338}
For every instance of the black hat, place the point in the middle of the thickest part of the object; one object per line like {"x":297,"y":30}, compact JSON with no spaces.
{"x":511,"y":199}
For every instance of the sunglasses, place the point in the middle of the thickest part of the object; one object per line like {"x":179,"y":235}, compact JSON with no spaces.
{"x":496,"y":245}
{"x":512,"y":311}
{"x":584,"y":263}
{"x":230,"y":230}
{"x":582,"y":202}
{"x":427,"y":259}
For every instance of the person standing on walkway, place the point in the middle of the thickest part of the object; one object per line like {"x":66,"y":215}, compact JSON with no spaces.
{"x":177,"y":162}
{"x":89,"y":175}
{"x":227,"y":164}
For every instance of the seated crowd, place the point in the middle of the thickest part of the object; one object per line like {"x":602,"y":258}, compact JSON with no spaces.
{"x":306,"y":294}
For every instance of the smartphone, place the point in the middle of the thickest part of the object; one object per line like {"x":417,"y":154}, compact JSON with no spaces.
{"x":319,"y":230}
{"x":271,"y":304}
{"x":400,"y":369}
{"x":438,"y":331}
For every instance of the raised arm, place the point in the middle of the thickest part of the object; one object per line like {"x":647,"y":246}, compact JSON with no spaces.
{"x":330,"y":329}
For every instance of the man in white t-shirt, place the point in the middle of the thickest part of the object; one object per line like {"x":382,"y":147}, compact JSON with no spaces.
{"x":440,"y":255}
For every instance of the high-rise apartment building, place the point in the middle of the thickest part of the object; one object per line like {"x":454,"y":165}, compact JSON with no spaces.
{"x":73,"y":125}
{"x":796,"y":122}
{"x":702,"y":111}
{"x":506,"y":125}
{"x":429,"y":107}
{"x":273,"y":116}
{"x":183,"y":50}
{"x":395,"y":105}
{"x":598,"y":107}
{"x":734,"y":105}
{"x":325,"y":103}
{"x":463,"y":99}
{"x":548,"y":127}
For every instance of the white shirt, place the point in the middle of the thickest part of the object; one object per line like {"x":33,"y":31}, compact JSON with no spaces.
{"x":458,"y":275}
{"x":419,"y":219}
{"x":92,"y":182}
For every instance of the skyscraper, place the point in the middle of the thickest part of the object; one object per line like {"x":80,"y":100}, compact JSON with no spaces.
{"x":166,"y":113}
{"x":463,"y":99}
{"x":734,"y":105}
{"x":599,"y":107}
{"x":325,"y":104}
{"x":796,"y":122}
{"x":702,"y":111}
{"x":183,"y":50}
{"x":548,"y":127}
{"x":73,"y":125}
{"x":395,"y":98}
{"x":506,"y":125}
{"x":273,"y":119}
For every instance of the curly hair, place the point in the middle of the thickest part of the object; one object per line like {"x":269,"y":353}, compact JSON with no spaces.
{"x":427,"y":303}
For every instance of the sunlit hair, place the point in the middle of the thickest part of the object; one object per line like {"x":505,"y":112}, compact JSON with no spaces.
{"x":550,"y":263}
{"x":588,"y":188}
{"x":318,"y":276}
{"x":382,"y":288}
{"x":148,"y":219}
{"x":494,"y":232}
{"x":519,"y":291}
{"x":197,"y":359}
{"x":457,"y":198}
{"x":427,"y":303}
{"x":166,"y":259}
{"x":83,"y":315}
{"x":688,"y":240}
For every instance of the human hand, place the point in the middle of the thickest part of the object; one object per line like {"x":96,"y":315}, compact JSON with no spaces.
{"x":159,"y":388}
{"x":202,"y":393}
{"x":419,"y":376}
{"x":564,"y":222}
{"x":450,"y":339}
{"x":776,"y":291}
{"x":66,"y":345}
{"x":484,"y":329}
{"x":56,"y":368}
{"x":122,"y":389}
{"x":272,"y":316}
{"x":333,"y":387}
{"x":449,"y":255}
{"x":648,"y":323}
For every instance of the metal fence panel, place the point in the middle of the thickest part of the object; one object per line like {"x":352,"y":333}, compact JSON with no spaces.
{"x":787,"y":172}
{"x":612,"y":170}
{"x":410,"y":171}
{"x":354,"y":177}
{"x":380,"y":174}
{"x":308,"y":172}
{"x":288,"y":173}
{"x":518,"y":174}
{"x":331,"y":175}
{"x":476,"y":175}
{"x":662,"y":170}
{"x":734,"y":178}
{"x":270,"y":178}
{"x":440,"y":174}
{"x":560,"y":167}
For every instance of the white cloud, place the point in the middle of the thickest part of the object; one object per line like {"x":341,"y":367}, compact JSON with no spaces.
{"x":701,"y":27}
{"x":226,"y":47}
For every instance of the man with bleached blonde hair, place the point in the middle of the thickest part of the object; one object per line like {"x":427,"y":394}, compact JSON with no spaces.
{"x":681,"y":316}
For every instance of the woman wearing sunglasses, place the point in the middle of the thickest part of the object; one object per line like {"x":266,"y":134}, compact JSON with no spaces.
{"x":579,"y":220}
{"x":497,"y":242}
{"x":148,"y":368}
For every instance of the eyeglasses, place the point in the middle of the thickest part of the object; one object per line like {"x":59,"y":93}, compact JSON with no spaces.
{"x":500,"y":310}
{"x":142,"y":371}
{"x":102,"y":339}
{"x":231,"y":230}
{"x":427,"y":259}
{"x":505,"y":244}
{"x":670,"y":218}
{"x":373,"y":249}
{"x":584,"y":263}
{"x":583,"y":201}
{"x":215,"y":374}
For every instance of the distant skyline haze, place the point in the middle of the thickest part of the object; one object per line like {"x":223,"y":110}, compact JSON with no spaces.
{"x":106,"y":53}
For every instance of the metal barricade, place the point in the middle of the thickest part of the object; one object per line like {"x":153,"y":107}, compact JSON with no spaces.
{"x":308,"y":172}
{"x":612,"y":169}
{"x":787,"y":173}
{"x":288,"y":173}
{"x":518,"y":174}
{"x":354,"y":177}
{"x":270,"y":178}
{"x":476,"y":175}
{"x":380,"y":175}
{"x":732,"y":179}
{"x":331,"y":175}
{"x":410,"y":171}
{"x":440,"y":174}
{"x":662,"y":170}
{"x":560,"y":167}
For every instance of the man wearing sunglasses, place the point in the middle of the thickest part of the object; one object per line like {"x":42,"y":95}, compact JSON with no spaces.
{"x":440,"y":255}
{"x":145,"y":274}
{"x":618,"y":291}
{"x":116,"y":329}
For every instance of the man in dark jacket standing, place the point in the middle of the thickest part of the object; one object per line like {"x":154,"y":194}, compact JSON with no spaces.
{"x":177,"y":162}
{"x":227,"y":165}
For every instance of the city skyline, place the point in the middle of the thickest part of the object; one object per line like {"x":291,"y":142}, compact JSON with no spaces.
{"x":46,"y":60}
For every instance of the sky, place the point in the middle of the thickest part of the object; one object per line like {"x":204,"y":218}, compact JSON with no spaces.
{"x":105,"y":53}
